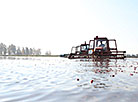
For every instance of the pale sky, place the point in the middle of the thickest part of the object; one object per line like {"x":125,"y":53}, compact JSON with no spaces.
{"x":57,"y":25}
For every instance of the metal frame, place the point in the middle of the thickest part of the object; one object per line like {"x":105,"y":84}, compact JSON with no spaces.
{"x":97,"y":53}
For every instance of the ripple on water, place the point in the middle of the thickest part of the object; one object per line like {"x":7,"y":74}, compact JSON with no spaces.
{"x":58,"y":79}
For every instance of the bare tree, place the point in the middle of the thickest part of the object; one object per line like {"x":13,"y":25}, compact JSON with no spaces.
{"x":38,"y":52}
{"x":19,"y":52}
{"x":31,"y":51}
{"x":3,"y":49}
{"x":26,"y":51}
{"x":23,"y":51}
{"x":12,"y":49}
{"x":48,"y":53}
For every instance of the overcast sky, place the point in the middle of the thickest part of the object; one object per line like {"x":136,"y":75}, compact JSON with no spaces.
{"x":57,"y":25}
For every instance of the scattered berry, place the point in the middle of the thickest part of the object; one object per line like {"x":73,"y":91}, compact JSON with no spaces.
{"x":131,"y":74}
{"x":77,"y":79}
{"x":91,"y":81}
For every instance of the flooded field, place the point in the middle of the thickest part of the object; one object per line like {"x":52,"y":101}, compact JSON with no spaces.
{"x":47,"y":79}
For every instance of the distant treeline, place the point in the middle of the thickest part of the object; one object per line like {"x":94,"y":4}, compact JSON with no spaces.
{"x":13,"y":50}
{"x":132,"y":56}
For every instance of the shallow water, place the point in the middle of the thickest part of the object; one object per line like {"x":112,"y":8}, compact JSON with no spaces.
{"x":47,"y":79}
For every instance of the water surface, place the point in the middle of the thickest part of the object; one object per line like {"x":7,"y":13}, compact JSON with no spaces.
{"x":47,"y":79}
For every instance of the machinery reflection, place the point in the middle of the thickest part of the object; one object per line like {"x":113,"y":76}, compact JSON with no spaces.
{"x":101,"y":73}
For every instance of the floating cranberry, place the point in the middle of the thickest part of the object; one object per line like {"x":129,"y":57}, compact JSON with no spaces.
{"x":91,"y":81}
{"x":131,"y":74}
{"x":112,"y":75}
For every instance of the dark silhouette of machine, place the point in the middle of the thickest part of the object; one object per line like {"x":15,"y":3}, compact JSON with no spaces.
{"x":98,"y":48}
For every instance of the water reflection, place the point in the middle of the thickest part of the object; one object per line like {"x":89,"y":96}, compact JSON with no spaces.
{"x":103,"y":72}
{"x":18,"y":58}
{"x":40,"y":79}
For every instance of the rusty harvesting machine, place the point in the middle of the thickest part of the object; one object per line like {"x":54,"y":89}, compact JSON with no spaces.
{"x":99,"y":48}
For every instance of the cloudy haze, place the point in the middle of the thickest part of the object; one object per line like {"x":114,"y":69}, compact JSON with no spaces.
{"x":57,"y":25}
